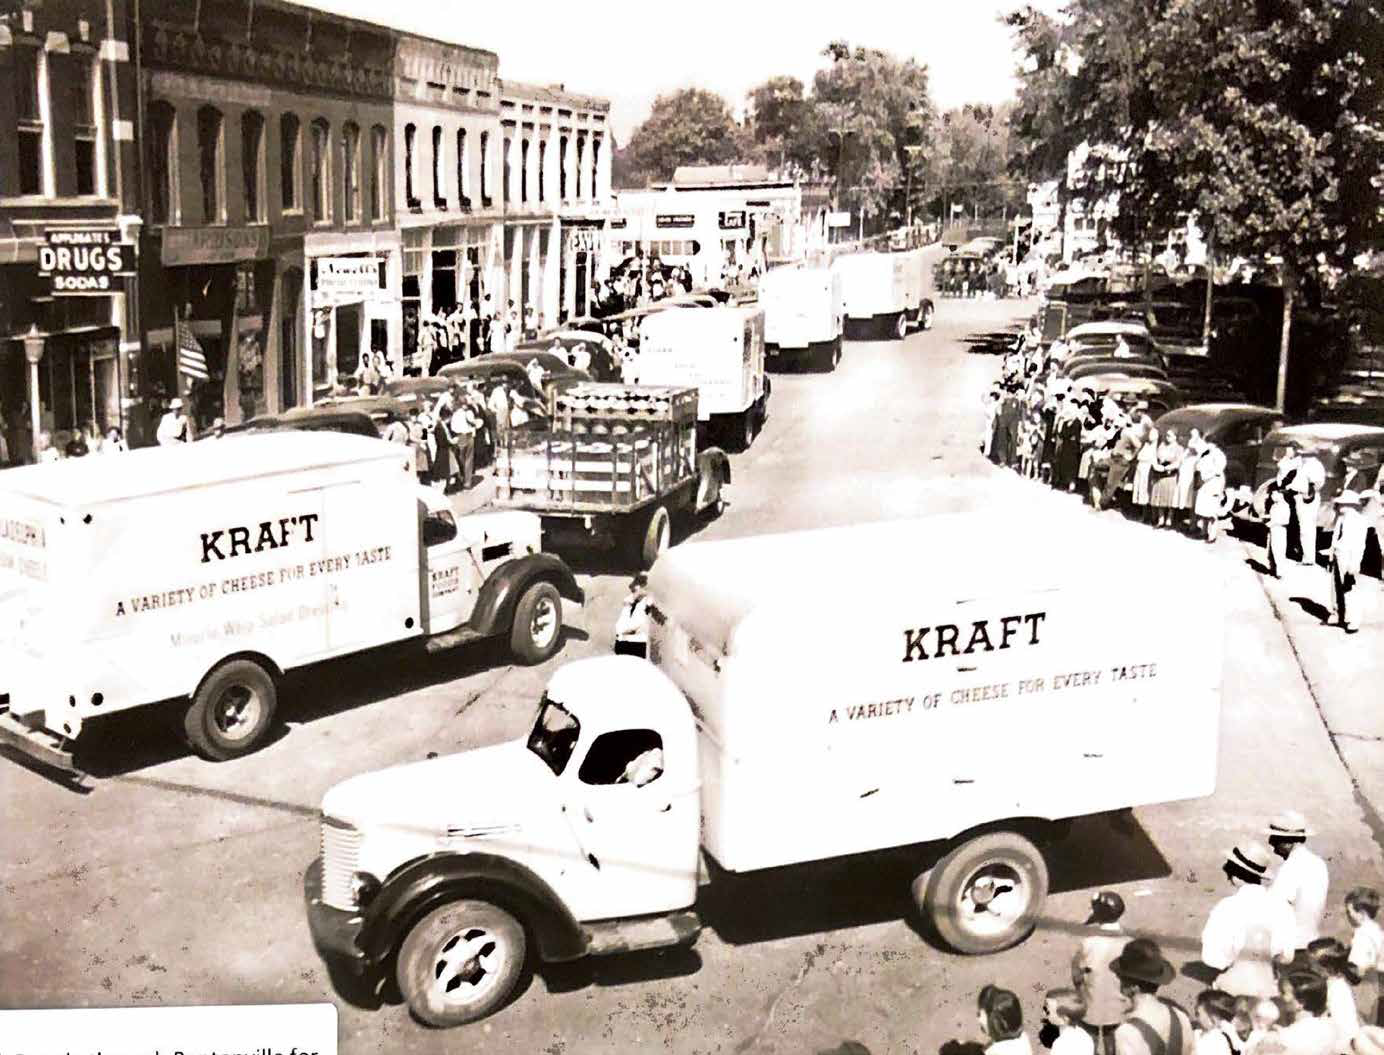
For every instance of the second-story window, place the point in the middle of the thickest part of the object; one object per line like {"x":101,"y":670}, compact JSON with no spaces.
{"x":163,"y":163}
{"x":321,"y":172}
{"x":439,"y":189}
{"x":252,"y":164}
{"x":350,"y":149}
{"x":485,"y":169}
{"x":507,"y":187}
{"x":595,"y":168}
{"x":580,"y":148}
{"x":463,"y":177}
{"x":523,"y":170}
{"x":379,"y":171}
{"x":290,"y":161}
{"x":86,"y":123}
{"x":542,"y":170}
{"x":209,"y":168}
{"x":31,"y":126}
{"x":562,"y":169}
{"x":410,"y":148}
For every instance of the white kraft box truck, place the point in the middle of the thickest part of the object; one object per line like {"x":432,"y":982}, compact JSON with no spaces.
{"x":808,"y":696}
{"x":720,"y":352}
{"x":202,"y":572}
{"x":884,"y":292}
{"x":803,"y":316}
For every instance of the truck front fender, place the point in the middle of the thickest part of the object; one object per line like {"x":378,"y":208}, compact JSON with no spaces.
{"x":501,"y":592}
{"x":428,"y":882}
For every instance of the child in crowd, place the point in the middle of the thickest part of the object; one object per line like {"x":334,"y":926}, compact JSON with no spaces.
{"x":1331,"y":960}
{"x":1367,"y":948}
{"x":1064,"y":1009}
{"x":1278,"y":506}
{"x":1263,"y":1036}
{"x":1215,"y":1021}
{"x":1001,"y":1021}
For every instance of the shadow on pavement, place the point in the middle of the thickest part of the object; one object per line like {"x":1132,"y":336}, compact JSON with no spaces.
{"x":1315,"y":609}
{"x":624,"y":969}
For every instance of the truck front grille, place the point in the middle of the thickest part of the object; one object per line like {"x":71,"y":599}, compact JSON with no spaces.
{"x":340,"y":852}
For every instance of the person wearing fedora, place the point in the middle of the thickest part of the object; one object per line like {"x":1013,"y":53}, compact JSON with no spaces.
{"x":1249,"y":930}
{"x":1153,"y":1025}
{"x":1302,"y":880}
{"x":1091,"y":973}
{"x":1346,"y":555}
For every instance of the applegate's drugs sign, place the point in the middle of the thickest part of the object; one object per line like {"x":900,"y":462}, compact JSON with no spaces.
{"x":87,"y":262}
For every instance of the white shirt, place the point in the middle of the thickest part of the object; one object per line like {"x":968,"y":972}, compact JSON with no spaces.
{"x":1309,"y":1035}
{"x":1301,"y":882}
{"x":172,"y":428}
{"x":1341,"y":1011}
{"x":1243,"y":934}
{"x":1367,"y":946}
{"x":1073,"y":1040}
{"x":1014,"y":1046}
{"x":1217,"y":1042}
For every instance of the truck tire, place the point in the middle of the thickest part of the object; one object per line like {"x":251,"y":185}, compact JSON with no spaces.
{"x":535,"y":634}
{"x":461,"y":962}
{"x":656,"y":536}
{"x":986,"y":894}
{"x":900,"y":326}
{"x":232,"y":711}
{"x":828,"y":357}
{"x":708,"y":501}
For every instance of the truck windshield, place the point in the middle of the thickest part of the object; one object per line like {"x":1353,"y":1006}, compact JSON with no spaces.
{"x":554,"y":735}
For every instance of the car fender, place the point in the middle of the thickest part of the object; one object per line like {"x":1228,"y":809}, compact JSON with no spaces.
{"x":714,"y":460}
{"x":499,"y":593}
{"x":428,"y":882}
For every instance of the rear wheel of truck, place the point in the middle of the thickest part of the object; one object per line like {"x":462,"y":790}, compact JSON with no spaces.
{"x":655,"y":538}
{"x":232,"y":711}
{"x":536,"y":632}
{"x":986,"y":894}
{"x":461,"y":962}
{"x":900,"y":325}
{"x":708,"y":501}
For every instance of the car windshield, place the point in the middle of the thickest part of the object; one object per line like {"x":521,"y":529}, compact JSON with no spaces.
{"x":554,"y":734}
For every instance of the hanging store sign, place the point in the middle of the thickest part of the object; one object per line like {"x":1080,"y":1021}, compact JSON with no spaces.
{"x":733,"y":221}
{"x":214,"y":245}
{"x":85,"y":263}
{"x":678,"y":219}
{"x":838,"y":219}
{"x":347,"y":278}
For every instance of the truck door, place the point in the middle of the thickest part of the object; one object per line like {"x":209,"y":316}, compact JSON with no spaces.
{"x":636,"y":816}
{"x":450,"y":582}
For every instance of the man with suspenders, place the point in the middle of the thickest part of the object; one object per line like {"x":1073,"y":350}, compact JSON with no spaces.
{"x":1152,"y":1026}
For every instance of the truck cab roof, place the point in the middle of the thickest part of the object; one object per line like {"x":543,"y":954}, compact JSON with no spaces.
{"x":100,"y":479}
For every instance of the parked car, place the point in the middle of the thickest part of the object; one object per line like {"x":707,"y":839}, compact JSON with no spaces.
{"x":1238,"y":429}
{"x":1114,"y":368}
{"x":1351,"y":455}
{"x":513,"y":367}
{"x":1141,"y":394}
{"x":416,"y":390}
{"x":322,"y":418}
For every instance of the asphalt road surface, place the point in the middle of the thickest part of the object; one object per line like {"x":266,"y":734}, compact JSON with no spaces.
{"x":174,"y":881}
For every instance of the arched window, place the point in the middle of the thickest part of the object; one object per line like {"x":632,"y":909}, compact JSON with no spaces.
{"x":379,"y":171}
{"x":542,"y":170}
{"x":163,"y":163}
{"x":506,"y":187}
{"x":562,"y":168}
{"x":321,"y":173}
{"x":595,"y":168}
{"x":209,"y":169}
{"x":463,"y":177}
{"x":350,"y":150}
{"x":252,"y":164}
{"x":290,"y":161}
{"x":485,"y":169}
{"x":410,"y":143}
{"x":523,"y":170}
{"x":581,"y":146}
{"x":439,"y":190}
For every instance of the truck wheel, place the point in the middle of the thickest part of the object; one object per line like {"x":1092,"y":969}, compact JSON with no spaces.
{"x":232,"y":711}
{"x":536,"y":632}
{"x":658,"y":533}
{"x":901,"y":325}
{"x":986,"y":894}
{"x":461,"y":962}
{"x":709,"y":501}
{"x":829,"y":357}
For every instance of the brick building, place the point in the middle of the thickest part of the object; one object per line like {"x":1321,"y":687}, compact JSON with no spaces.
{"x":67,"y":95}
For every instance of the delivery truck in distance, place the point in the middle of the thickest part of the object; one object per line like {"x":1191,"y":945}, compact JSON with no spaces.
{"x":803,"y":316}
{"x":201,"y":573}
{"x":924,"y":685}
{"x":720,"y":352}
{"x":884,"y":293}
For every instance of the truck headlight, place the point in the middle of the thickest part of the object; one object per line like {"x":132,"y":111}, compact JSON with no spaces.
{"x":364,"y":887}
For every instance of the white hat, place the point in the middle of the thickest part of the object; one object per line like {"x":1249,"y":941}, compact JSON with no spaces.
{"x":1290,"y":824}
{"x":175,"y":404}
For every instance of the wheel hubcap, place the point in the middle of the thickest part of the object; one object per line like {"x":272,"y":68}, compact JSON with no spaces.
{"x":237,"y":712}
{"x":992,"y":900}
{"x":544,"y":623}
{"x":467,"y":966}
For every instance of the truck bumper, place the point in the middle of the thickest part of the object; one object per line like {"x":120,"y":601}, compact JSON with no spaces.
{"x":37,"y":743}
{"x":334,"y":931}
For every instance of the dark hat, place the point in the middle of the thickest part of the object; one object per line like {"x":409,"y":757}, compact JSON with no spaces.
{"x":1142,"y":961}
{"x":1106,"y":907}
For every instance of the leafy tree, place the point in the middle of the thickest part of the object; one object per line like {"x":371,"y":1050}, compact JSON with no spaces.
{"x":785,"y":123}
{"x":690,"y":126}
{"x":972,"y":160}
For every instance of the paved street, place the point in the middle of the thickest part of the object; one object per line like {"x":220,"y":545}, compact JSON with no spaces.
{"x":173,"y":880}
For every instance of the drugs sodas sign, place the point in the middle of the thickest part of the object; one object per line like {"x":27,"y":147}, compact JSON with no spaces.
{"x":85,"y":262}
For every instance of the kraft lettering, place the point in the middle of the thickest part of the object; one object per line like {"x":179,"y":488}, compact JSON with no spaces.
{"x":211,"y":545}
{"x":913,"y":642}
{"x":267,"y":535}
{"x":240,"y":541}
{"x":1007,"y":630}
{"x":979,"y":633}
{"x":1033,"y":619}
{"x":946,"y":638}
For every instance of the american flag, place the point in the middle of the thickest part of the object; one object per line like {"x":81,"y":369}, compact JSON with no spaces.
{"x":192,"y":359}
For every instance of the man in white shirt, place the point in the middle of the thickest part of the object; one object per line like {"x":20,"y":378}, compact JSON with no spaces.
{"x":1303,"y":476}
{"x":174,"y":426}
{"x":463,"y":425}
{"x":1301,"y":882}
{"x":1249,"y":930}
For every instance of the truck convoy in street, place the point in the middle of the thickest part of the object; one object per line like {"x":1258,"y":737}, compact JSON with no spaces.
{"x":884,"y":293}
{"x":202,"y":573}
{"x":803,"y":316}
{"x":614,"y":465}
{"x":718,"y":350}
{"x":806,"y":696}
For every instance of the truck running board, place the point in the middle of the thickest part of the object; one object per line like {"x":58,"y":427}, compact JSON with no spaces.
{"x":38,"y":744}
{"x":649,"y":932}
{"x":452,"y":638}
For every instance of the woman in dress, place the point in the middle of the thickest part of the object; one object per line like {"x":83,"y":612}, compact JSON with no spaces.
{"x":1210,"y":504}
{"x":1143,"y":472}
{"x":1163,"y":484}
{"x":1187,"y":476}
{"x":443,"y":461}
{"x":1069,"y":426}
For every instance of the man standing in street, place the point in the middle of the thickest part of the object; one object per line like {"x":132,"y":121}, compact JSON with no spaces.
{"x":1249,"y":930}
{"x":1347,"y":554}
{"x":1091,"y":974}
{"x":1301,"y":882}
{"x":464,"y":425}
{"x":1121,"y":458}
{"x":1153,"y":1026}
{"x":174,"y":426}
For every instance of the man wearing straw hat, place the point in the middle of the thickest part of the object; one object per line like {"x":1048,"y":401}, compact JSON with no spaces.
{"x":1345,"y":557}
{"x":1301,"y":882}
{"x":1249,"y":930}
{"x":1153,"y":1026}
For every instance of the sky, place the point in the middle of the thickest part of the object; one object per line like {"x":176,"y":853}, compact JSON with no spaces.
{"x":631,"y":52}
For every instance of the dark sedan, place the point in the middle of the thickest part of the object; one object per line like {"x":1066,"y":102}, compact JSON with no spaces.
{"x":1238,"y":429}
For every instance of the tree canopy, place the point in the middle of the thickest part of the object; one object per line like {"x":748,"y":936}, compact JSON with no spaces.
{"x":687,"y":127}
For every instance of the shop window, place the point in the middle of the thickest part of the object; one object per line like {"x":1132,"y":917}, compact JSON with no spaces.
{"x":523,"y":170}
{"x":439,"y":190}
{"x":209,"y":171}
{"x":463,"y":177}
{"x":595,"y":168}
{"x":163,"y":163}
{"x":485,"y":170}
{"x":507,"y":187}
{"x":542,"y":170}
{"x":31,"y":78}
{"x":350,"y":149}
{"x":86,"y":122}
{"x":321,"y":172}
{"x":562,"y":169}
{"x":290,"y":160}
{"x":252,"y":164}
{"x":410,"y":142}
{"x":581,"y":147}
{"x":379,"y":171}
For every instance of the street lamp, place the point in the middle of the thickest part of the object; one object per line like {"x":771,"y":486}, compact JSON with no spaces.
{"x":33,"y":355}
